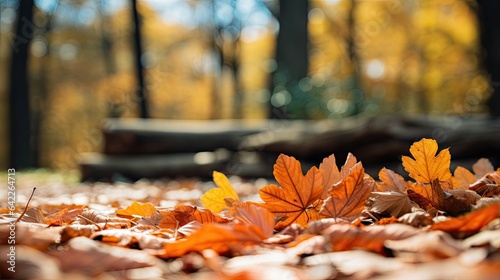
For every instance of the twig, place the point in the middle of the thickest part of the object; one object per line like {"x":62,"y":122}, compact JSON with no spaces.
{"x":27,"y":204}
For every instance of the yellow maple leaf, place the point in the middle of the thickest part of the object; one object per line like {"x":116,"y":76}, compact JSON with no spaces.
{"x":426,"y":167}
{"x":213,"y":199}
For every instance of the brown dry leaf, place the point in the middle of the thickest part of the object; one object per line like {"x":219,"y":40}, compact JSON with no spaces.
{"x":35,"y":235}
{"x":184,"y":214}
{"x":434,"y":196}
{"x":427,"y":167}
{"x":425,"y":246}
{"x":331,"y":173}
{"x":357,"y":264}
{"x":469,"y":224}
{"x":72,"y":231}
{"x":488,"y":185}
{"x":222,"y":238}
{"x":34,"y":215}
{"x":127,"y":238}
{"x":63,"y":217}
{"x":393,"y":203}
{"x":252,"y":214}
{"x":372,"y":238}
{"x":298,"y":197}
{"x":347,"y":198}
{"x":94,"y":217}
{"x":417,"y":218}
{"x":137,"y":209}
{"x":93,"y":257}
{"x":391,"y":181}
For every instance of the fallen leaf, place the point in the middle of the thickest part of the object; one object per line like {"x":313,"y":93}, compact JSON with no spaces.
{"x":137,"y":209}
{"x":425,"y":246}
{"x":417,"y":218}
{"x":252,"y":214}
{"x":482,"y":167}
{"x":63,"y":217}
{"x":462,"y":178}
{"x":213,"y":199}
{"x":371,"y":238}
{"x":298,"y":197}
{"x":222,"y":238}
{"x":433,"y":196}
{"x":393,"y":203}
{"x":488,"y":185}
{"x":34,"y":215}
{"x":347,"y":198}
{"x":332,"y":174}
{"x":184,"y":214}
{"x":469,"y":224}
{"x":391,"y":181}
{"x":93,"y":257}
{"x":427,"y":167}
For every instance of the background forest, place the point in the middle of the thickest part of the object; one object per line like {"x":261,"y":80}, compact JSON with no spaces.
{"x":235,"y":59}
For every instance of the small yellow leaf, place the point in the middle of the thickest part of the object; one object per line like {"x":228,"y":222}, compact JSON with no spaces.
{"x":214,"y":198}
{"x":137,"y":209}
{"x":426,"y":167}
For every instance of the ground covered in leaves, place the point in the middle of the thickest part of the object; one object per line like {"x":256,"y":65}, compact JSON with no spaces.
{"x":331,"y":223}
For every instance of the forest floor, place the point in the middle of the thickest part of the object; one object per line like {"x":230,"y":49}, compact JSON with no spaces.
{"x":160,"y":229}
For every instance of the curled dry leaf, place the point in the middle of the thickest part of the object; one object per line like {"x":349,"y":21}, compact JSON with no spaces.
{"x":427,"y":167}
{"x":347,"y":198}
{"x":213,"y":199}
{"x":298,"y":197}
{"x":469,"y":224}
{"x":434,"y":196}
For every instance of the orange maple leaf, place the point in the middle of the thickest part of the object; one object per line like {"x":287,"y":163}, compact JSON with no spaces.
{"x":298,"y":198}
{"x":347,"y":198}
{"x":221,"y":238}
{"x":426,"y":167}
{"x":331,"y":173}
{"x":469,"y":224}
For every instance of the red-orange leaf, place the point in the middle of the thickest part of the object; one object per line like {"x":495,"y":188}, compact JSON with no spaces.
{"x":298,"y":197}
{"x":347,"y":198}
{"x":469,"y":224}
{"x":184,"y":214}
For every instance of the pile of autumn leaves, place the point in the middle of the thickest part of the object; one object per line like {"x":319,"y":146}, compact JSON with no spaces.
{"x":303,"y":206}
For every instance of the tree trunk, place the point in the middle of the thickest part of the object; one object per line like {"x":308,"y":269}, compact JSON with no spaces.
{"x":21,"y":148}
{"x":292,"y":55}
{"x":490,"y":42}
{"x":141,"y":87}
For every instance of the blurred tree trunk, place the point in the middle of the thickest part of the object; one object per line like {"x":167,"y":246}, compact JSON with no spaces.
{"x":21,"y":146}
{"x":292,"y":57}
{"x":41,"y":90}
{"x":141,"y":87}
{"x":353,"y":55}
{"x":489,"y":22}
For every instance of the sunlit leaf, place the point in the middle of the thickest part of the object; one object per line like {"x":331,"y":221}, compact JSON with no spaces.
{"x":213,"y":199}
{"x":347,"y":198}
{"x":137,"y":209}
{"x":427,"y":167}
{"x":298,"y":197}
{"x":469,"y":224}
{"x":332,"y":174}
